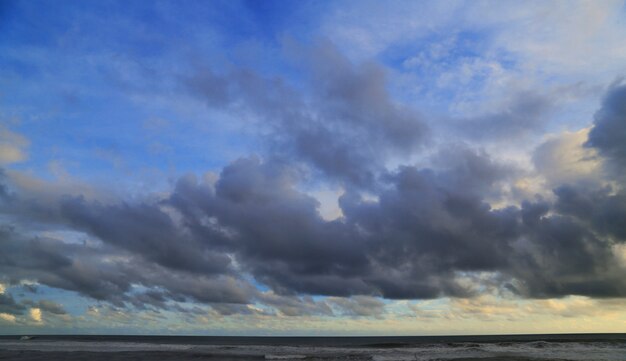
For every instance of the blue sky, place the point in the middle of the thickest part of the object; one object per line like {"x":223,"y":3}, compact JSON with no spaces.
{"x":311,"y":167}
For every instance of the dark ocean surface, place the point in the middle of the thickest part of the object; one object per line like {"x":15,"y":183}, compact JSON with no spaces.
{"x":588,"y":347}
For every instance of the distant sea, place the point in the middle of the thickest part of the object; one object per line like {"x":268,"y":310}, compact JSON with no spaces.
{"x":587,"y":347}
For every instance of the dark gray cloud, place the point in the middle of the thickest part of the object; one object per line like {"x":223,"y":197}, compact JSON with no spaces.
{"x":108,"y":274}
{"x":562,"y":255}
{"x":406,"y":245}
{"x":602,"y":210}
{"x":472,"y":170}
{"x":250,"y":197}
{"x":608,"y":134}
{"x":146,"y":230}
{"x":421,"y":232}
{"x":9,"y":305}
{"x":426,"y":227}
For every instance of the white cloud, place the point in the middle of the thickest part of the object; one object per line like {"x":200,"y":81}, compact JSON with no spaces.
{"x":562,"y":36}
{"x":329,"y":203}
{"x":12,"y":146}
{"x":471,"y":57}
{"x":7,"y":317}
{"x":47,"y":191}
{"x":367,"y":28}
{"x":35,"y":314}
{"x":564,"y":159}
{"x":559,"y":37}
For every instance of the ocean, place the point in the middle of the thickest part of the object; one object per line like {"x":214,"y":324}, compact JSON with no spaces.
{"x":561,"y":347}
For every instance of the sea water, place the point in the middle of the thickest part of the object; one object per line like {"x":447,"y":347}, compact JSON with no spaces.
{"x":587,"y":347}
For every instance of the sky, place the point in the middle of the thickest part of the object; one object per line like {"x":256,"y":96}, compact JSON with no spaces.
{"x":312,"y":167}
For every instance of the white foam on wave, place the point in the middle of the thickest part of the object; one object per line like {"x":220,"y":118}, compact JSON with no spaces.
{"x":284,"y":357}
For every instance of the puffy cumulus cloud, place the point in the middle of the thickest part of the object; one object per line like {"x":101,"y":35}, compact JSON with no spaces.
{"x":12,"y":146}
{"x":346,"y":108}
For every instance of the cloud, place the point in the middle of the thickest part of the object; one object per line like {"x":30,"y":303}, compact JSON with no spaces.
{"x":495,"y":78}
{"x":557,"y":42}
{"x":228,"y":309}
{"x":12,"y":146}
{"x":47,"y":306}
{"x":609,"y":128}
{"x":420,"y":237}
{"x":512,"y":110}
{"x":564,"y":254}
{"x":563,"y":159}
{"x":35,"y":314}
{"x":346,"y":126}
{"x":8,"y":305}
{"x":249,"y":198}
{"x":409,"y":232}
{"x":7,"y":317}
{"x":146,"y":230}
{"x":296,"y":306}
{"x":524,"y":114}
{"x":365,"y":30}
{"x":108,"y":274}
{"x":359,"y":306}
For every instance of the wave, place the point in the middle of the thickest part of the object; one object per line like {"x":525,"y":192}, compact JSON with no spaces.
{"x":285,"y":357}
{"x":386,"y":350}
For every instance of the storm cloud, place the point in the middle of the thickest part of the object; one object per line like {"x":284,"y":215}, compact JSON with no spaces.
{"x":609,"y":127}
